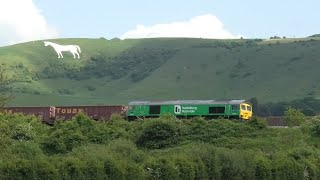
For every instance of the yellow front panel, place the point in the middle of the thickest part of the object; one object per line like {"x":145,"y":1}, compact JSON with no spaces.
{"x":245,"y":111}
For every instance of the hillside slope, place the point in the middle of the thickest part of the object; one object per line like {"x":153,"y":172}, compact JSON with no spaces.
{"x":118,"y":71}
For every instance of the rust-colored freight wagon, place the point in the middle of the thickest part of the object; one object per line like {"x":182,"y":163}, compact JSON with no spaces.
{"x":46,"y":114}
{"x":94,"y":112}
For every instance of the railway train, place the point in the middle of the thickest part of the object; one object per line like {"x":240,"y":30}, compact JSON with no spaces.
{"x":210,"y":109}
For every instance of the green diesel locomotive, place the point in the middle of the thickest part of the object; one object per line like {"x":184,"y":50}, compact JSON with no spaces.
{"x":231,"y":109}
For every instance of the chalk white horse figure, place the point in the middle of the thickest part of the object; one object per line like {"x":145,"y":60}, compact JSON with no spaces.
{"x":59,"y":48}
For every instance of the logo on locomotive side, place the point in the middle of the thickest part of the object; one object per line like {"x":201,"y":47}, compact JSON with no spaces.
{"x":68,"y":110}
{"x":184,"y":109}
{"x":177,"y":109}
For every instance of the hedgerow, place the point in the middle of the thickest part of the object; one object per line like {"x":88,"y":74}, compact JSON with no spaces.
{"x":161,"y":148}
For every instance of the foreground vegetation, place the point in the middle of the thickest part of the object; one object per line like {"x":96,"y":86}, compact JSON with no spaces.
{"x":163,"y":148}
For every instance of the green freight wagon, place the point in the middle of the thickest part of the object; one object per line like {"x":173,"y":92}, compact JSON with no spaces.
{"x":231,"y":109}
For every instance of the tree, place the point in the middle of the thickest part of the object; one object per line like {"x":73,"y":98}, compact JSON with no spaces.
{"x":6,"y":87}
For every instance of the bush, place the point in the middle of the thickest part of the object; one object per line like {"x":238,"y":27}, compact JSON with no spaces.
{"x":294,"y":117}
{"x":66,"y":135}
{"x":286,"y":168}
{"x":262,"y":167}
{"x":159,"y":134}
{"x":258,"y":123}
{"x":113,"y":169}
{"x":236,"y":164}
{"x":315,"y":125}
{"x":185,"y":168}
{"x":71,"y":168}
{"x":162,"y":168}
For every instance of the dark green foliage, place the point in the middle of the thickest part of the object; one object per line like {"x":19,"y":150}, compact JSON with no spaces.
{"x":161,"y":168}
{"x":294,"y":117}
{"x":113,"y":169}
{"x":64,"y":136}
{"x":211,"y":131}
{"x":311,"y":170}
{"x":138,"y":63}
{"x":163,"y":148}
{"x":262,"y":168}
{"x":255,"y":104}
{"x":315,"y":125}
{"x":236,"y":164}
{"x":159,"y":134}
{"x":200,"y":168}
{"x":258,"y":123}
{"x":300,"y":153}
{"x":308,"y":106}
{"x":185,"y":167}
{"x":26,"y":149}
{"x":286,"y":168}
{"x":67,"y":135}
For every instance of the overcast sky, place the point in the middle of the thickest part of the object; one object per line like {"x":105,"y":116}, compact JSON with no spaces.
{"x":27,"y":20}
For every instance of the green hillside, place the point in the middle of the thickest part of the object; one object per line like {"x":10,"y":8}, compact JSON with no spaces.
{"x":118,"y":71}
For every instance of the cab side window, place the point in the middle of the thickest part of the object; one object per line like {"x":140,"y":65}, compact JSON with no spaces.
{"x":235,"y":107}
{"x":154,"y":110}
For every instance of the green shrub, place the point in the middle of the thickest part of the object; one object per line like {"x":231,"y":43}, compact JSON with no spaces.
{"x":294,"y":117}
{"x":236,"y":164}
{"x":258,"y":123}
{"x":200,"y":168}
{"x":28,"y":169}
{"x":19,"y":169}
{"x":286,"y":168}
{"x":203,"y":159}
{"x":159,"y":134}
{"x":262,"y":168}
{"x":300,"y":153}
{"x":185,"y":167}
{"x":93,"y":169}
{"x":315,"y":126}
{"x":113,"y":169}
{"x":26,"y":150}
{"x":161,"y":168}
{"x":118,"y":160}
{"x":66,"y":135}
{"x":71,"y":168}
{"x":311,"y":171}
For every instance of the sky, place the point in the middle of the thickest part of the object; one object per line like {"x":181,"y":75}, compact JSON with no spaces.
{"x":28,"y":20}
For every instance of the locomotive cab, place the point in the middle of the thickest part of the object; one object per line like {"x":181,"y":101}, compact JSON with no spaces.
{"x":245,"y":111}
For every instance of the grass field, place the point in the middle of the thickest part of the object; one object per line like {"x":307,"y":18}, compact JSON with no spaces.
{"x":118,"y":71}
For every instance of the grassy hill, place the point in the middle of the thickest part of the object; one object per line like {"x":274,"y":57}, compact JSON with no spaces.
{"x":118,"y":71}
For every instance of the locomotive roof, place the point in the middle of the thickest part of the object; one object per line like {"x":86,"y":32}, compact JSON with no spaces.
{"x":179,"y":102}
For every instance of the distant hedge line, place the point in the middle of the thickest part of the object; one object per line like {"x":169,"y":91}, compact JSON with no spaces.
{"x":307,"y":105}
